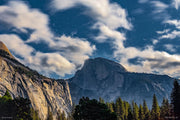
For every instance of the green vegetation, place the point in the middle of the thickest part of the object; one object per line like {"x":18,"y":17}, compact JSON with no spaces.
{"x":92,"y":110}
{"x":155,"y":112}
{"x":17,"y":109}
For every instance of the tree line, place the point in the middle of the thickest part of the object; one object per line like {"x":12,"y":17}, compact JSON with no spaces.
{"x":122,"y":110}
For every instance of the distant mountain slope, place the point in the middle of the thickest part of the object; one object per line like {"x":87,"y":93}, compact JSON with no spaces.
{"x":42,"y":91}
{"x":100,"y":77}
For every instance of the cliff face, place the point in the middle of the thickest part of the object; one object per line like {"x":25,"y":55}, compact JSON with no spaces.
{"x":42,"y":91}
{"x":100,"y":77}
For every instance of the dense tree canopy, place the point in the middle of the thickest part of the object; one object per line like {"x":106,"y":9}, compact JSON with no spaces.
{"x":92,"y":110}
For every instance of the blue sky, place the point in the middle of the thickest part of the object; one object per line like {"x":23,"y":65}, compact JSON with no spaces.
{"x":55,"y":37}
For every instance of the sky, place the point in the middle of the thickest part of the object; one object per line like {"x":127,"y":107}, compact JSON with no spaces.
{"x":55,"y":37}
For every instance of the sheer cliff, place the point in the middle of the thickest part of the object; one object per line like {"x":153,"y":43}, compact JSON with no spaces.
{"x":100,"y":77}
{"x":43,"y":92}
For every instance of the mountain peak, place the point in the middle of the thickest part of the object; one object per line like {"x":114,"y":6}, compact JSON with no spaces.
{"x":99,"y":61}
{"x":4,"y":50}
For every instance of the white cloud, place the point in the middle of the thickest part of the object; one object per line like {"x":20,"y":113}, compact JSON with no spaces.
{"x":176,"y":4}
{"x":45,"y":63}
{"x":20,"y":16}
{"x":109,"y":14}
{"x":159,"y":6}
{"x":154,"y":41}
{"x":75,"y":49}
{"x":160,"y":10}
{"x":176,"y":23}
{"x":171,"y":34}
{"x":48,"y":63}
{"x":106,"y":15}
{"x":153,"y":60}
{"x":16,"y":45}
{"x":69,"y":53}
{"x":170,"y":47}
{"x":164,"y":31}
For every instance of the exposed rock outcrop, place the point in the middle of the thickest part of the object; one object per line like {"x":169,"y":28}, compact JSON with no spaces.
{"x":100,"y":77}
{"x":42,"y":91}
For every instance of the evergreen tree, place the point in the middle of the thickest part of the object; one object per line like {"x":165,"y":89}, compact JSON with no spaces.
{"x":101,"y":100}
{"x":146,"y":111}
{"x":92,"y":110}
{"x":34,"y":114}
{"x":164,"y":109}
{"x":130,"y":113}
{"x":141,"y":113}
{"x":135,"y":111}
{"x":175,"y":99}
{"x":126,"y":107}
{"x":120,"y":111}
{"x":110,"y":106}
{"x":155,"y":112}
{"x":23,"y":109}
{"x":7,"y":97}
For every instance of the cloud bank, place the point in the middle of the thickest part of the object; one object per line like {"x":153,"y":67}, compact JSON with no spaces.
{"x":109,"y":18}
{"x":68,"y":52}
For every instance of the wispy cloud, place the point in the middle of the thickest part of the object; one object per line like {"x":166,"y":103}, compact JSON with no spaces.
{"x":69,"y":53}
{"x":170,"y":47}
{"x":160,"y":10}
{"x":159,"y":6}
{"x":171,"y":33}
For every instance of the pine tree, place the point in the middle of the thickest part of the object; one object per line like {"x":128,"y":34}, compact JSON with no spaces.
{"x":141,"y":113}
{"x":130,"y":113}
{"x":120,"y":111}
{"x":110,"y":106}
{"x":126,"y":107}
{"x":34,"y":114}
{"x":135,"y":111}
{"x":164,"y":109}
{"x":175,"y":98}
{"x":146,"y":111}
{"x":101,"y":100}
{"x":6,"y":97}
{"x":155,"y":112}
{"x":92,"y":110}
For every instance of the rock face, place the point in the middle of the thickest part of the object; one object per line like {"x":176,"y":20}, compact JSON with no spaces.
{"x":3,"y":48}
{"x":42,"y":91}
{"x":100,"y":77}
